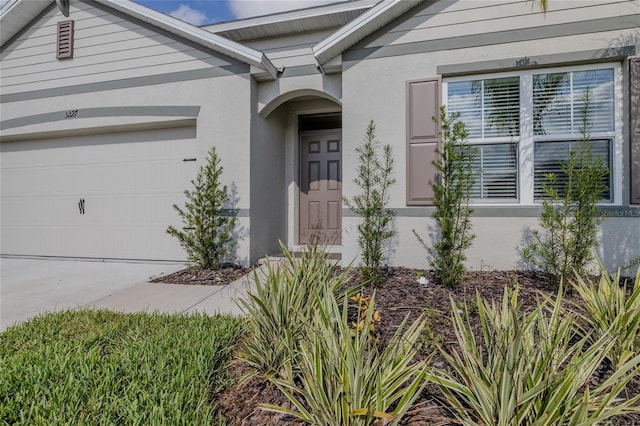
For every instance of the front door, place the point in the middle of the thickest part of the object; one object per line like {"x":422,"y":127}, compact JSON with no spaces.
{"x":321,"y":187}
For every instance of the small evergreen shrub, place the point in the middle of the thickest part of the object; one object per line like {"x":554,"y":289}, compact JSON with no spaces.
{"x":206,"y":235}
{"x":451,"y":197}
{"x":570,"y":216}
{"x":374,"y":179}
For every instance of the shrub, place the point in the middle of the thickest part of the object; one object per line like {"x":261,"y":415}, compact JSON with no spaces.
{"x":206,"y":235}
{"x":374,"y":179}
{"x":345,"y":380}
{"x":530,"y":369}
{"x":451,"y":197}
{"x":284,"y":299}
{"x":610,"y":312}
{"x":570,"y":215}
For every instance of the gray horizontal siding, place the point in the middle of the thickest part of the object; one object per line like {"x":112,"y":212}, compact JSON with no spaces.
{"x":147,"y":80}
{"x":447,"y":24}
{"x":495,"y":38}
{"x":107,"y":47}
{"x":469,"y":15}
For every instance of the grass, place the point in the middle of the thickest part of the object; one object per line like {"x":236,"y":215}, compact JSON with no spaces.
{"x":100,"y":367}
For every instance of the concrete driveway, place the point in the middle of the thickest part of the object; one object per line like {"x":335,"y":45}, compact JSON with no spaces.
{"x":32,"y":286}
{"x":29,"y":287}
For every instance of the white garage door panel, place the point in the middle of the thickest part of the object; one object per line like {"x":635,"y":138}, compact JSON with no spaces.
{"x":129,"y":183}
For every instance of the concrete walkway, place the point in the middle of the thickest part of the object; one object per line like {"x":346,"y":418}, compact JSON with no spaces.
{"x":30,"y":287}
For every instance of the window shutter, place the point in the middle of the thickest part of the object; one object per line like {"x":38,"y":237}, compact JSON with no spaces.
{"x":65,"y":40}
{"x":423,"y":137}
{"x":634,"y":93}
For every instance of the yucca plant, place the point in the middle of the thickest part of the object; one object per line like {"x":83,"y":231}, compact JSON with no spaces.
{"x":529,"y":369}
{"x":284,"y":299}
{"x":345,"y":379}
{"x":610,"y":312}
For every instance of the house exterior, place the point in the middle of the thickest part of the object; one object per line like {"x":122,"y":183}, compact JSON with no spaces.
{"x":109,"y":108}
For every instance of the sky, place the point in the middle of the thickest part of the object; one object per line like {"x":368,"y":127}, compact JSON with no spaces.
{"x":201,"y":12}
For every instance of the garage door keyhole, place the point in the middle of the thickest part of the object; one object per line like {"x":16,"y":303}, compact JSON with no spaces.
{"x":81,"y":205}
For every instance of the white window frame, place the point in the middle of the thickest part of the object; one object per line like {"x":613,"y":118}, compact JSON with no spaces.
{"x":526,"y":139}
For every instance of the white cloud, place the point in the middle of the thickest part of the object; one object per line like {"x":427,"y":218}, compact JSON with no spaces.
{"x":248,"y":8}
{"x":192,"y":16}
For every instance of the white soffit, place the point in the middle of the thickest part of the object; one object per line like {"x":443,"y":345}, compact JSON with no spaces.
{"x":16,"y":14}
{"x":195,"y":34}
{"x":372,"y":20}
{"x":297,"y":21}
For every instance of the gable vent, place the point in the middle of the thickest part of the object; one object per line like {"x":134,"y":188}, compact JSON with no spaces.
{"x":65,"y":40}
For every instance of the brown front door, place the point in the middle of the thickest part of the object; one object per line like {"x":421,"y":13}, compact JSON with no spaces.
{"x":321,"y":187}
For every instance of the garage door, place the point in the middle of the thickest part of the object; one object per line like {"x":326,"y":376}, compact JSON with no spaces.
{"x":100,"y":196}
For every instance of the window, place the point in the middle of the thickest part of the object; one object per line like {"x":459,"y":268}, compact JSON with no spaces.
{"x":558,"y":105}
{"x":525,"y":125}
{"x":491,"y":111}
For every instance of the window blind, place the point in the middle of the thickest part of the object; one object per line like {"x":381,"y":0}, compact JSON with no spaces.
{"x":489,"y":108}
{"x":498,"y":171}
{"x":549,"y":157}
{"x":558,"y":101}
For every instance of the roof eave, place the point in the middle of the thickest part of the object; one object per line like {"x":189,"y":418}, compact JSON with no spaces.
{"x":282,"y":17}
{"x":16,"y":14}
{"x":356,"y":30}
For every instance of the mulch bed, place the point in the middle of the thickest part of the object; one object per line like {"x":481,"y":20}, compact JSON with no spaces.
{"x":399,"y":297}
{"x":223,"y":276}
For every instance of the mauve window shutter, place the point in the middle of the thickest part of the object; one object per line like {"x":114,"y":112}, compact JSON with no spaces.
{"x":634,"y":93}
{"x":423,"y":138}
{"x":65,"y":40}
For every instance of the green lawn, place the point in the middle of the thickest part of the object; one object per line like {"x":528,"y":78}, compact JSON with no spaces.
{"x":101,"y":367}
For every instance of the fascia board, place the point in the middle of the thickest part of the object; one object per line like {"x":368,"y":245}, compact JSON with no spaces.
{"x":7,"y":6}
{"x":290,"y":16}
{"x":357,"y":29}
{"x":215,"y":42}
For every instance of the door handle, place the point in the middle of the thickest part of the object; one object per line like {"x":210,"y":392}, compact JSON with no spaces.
{"x":81,"y":205}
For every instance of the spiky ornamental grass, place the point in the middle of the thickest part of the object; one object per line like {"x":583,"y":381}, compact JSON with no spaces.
{"x":344,"y":379}
{"x":107,"y":368}
{"x":284,"y":300}
{"x":530,"y":369}
{"x":374,"y":180}
{"x":207,"y":232}
{"x":611,"y":310}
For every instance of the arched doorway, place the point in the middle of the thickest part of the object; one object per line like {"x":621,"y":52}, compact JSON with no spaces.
{"x":309,"y":125}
